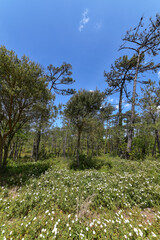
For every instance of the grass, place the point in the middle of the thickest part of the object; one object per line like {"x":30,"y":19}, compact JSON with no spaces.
{"x":48,"y":200}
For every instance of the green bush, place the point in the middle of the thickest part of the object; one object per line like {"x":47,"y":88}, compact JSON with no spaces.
{"x":88,"y":162}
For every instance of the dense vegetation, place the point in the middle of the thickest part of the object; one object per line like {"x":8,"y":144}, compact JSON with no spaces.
{"x":47,"y":200}
{"x":44,"y":193}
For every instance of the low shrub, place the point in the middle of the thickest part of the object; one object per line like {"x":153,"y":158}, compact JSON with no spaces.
{"x":88,"y":162}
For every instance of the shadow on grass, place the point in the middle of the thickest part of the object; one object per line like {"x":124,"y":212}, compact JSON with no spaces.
{"x":18,"y":175}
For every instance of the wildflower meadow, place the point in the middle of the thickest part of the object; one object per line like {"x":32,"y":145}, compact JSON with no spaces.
{"x":48,"y":200}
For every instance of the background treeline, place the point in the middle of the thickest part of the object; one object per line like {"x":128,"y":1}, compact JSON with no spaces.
{"x":91,"y":126}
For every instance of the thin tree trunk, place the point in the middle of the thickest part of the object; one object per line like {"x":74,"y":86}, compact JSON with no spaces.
{"x":35,"y":152}
{"x":38,"y":144}
{"x":16,"y":152}
{"x":157,"y":138}
{"x":120,"y":104}
{"x":6,"y":149}
{"x":120,"y":119}
{"x":20,"y":151}
{"x":131,"y":129}
{"x":64,"y":145}
{"x":55,"y":148}
{"x":1,"y":151}
{"x":74,"y":152}
{"x":92,"y":149}
{"x":87,"y":145}
{"x":52,"y":144}
{"x":11,"y":150}
{"x":154,"y":147}
{"x":78,"y":146}
{"x":97,"y":150}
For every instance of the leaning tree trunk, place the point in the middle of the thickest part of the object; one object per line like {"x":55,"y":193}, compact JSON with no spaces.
{"x":131,"y":129}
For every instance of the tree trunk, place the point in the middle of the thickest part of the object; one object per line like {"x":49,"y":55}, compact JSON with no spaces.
{"x":64,"y":145}
{"x":131,"y":129}
{"x":120,"y":104}
{"x":92,"y":149}
{"x":154,"y":148}
{"x":157,"y":139}
{"x":120,"y":119}
{"x":15,"y":157}
{"x":6,"y":148}
{"x":78,"y":146}
{"x":97,"y":150}
{"x":55,"y":148}
{"x":87,"y":144}
{"x":35,"y":152}
{"x":20,"y":150}
{"x":1,"y":151}
{"x":38,"y":143}
{"x":12,"y":150}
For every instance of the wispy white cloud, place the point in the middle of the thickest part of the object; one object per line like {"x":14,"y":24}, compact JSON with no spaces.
{"x":85,"y":19}
{"x":111,"y":100}
{"x":159,"y":74}
{"x":127,"y":105}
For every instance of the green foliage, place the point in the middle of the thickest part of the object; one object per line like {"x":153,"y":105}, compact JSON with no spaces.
{"x":139,"y":148}
{"x":22,"y":84}
{"x":88,"y":162}
{"x":83,"y":105}
{"x":23,"y":96}
{"x":43,"y":153}
{"x":60,"y":76}
{"x":19,"y":174}
{"x":121,"y":74}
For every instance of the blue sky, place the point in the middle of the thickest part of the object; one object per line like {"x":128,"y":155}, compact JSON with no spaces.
{"x":84,"y":33}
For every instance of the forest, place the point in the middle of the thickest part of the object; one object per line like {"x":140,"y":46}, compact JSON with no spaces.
{"x":86,"y":169}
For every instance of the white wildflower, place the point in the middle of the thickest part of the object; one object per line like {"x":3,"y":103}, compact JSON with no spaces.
{"x":153,"y":234}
